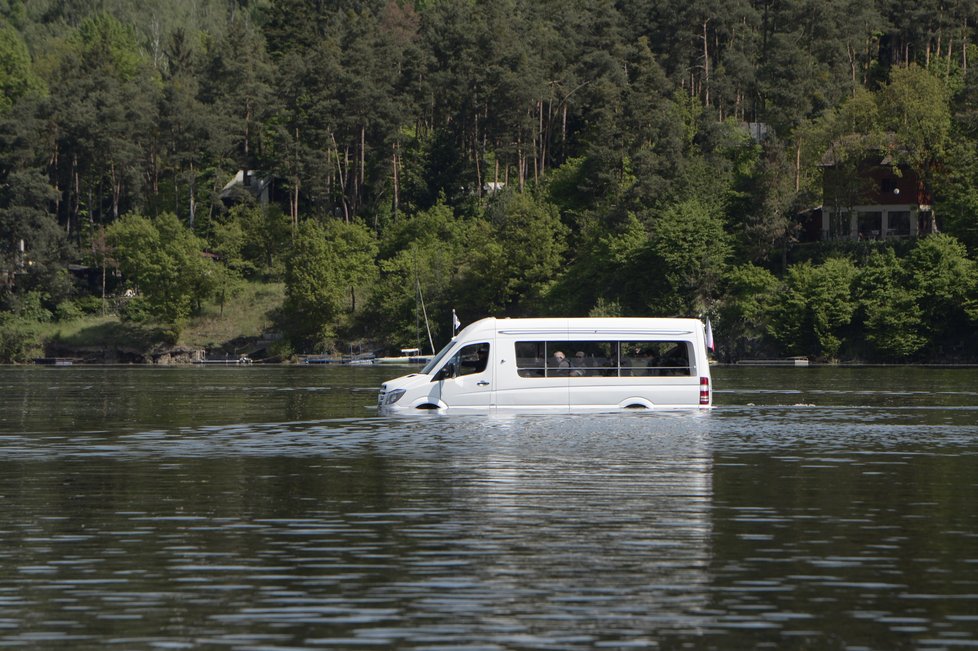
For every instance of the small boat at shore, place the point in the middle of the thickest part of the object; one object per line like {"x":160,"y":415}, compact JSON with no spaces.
{"x":407,"y":356}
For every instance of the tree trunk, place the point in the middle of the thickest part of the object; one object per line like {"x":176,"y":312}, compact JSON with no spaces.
{"x":395,"y":201}
{"x":116,"y":191}
{"x":706,"y":64}
{"x":348,"y":198}
{"x":193,"y":196}
{"x":950,"y":52}
{"x":798,"y":165}
{"x":563,"y":132}
{"x":56,"y":180}
{"x":521,"y":163}
{"x":852,"y":65}
{"x":247,"y":130}
{"x":294,"y":204}
{"x":543,"y":139}
{"x":477,"y":156}
{"x":964,"y":48}
{"x":296,"y":185}
{"x":536,"y":152}
{"x":341,"y":177}
{"x":76,"y":198}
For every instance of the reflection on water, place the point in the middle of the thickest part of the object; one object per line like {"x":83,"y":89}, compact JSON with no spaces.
{"x":272,"y":509}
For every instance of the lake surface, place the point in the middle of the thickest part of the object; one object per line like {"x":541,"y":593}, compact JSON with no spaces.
{"x":272,"y":508}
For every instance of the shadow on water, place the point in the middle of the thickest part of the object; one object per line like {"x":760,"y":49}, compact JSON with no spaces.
{"x":274,"y":509}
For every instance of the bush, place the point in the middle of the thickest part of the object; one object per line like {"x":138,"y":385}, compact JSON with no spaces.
{"x":134,"y":309}
{"x":30,"y":307}
{"x":18,"y":340}
{"x":67,"y":311}
{"x":91,"y":305}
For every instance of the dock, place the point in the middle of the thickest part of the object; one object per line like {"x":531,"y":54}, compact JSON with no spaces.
{"x":53,"y":361}
{"x":782,"y":361}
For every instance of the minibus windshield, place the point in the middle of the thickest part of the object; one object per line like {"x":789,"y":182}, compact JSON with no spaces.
{"x":430,"y":366}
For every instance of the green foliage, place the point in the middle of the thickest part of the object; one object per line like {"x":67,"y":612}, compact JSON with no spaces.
{"x":426,"y":263}
{"x":816,"y":304}
{"x":20,"y":327}
{"x":749,"y":296}
{"x":30,"y":307}
{"x":915,"y":106}
{"x":565,"y":187}
{"x":523,"y":255}
{"x":607,"y":269}
{"x":25,"y":194}
{"x":765,"y":204}
{"x":891,"y":313}
{"x":18,"y":339}
{"x":250,"y":242}
{"x":67,"y":311}
{"x":17,"y":77}
{"x":943,"y":279}
{"x":690,"y":249}
{"x":102,"y":42}
{"x":164,"y":261}
{"x":356,"y":247}
{"x":135,"y":310}
{"x":330,"y":263}
{"x":313,"y":288}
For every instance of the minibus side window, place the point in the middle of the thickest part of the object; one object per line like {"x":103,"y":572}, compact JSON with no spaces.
{"x":592,"y":358}
{"x":654,"y":358}
{"x":602,"y":358}
{"x":531,"y":358}
{"x":674,"y":358}
{"x":473,"y":358}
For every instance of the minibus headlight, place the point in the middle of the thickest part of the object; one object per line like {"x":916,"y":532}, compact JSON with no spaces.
{"x":393,"y":396}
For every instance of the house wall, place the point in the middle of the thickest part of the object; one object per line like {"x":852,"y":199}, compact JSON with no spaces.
{"x":889,"y":189}
{"x":876,"y":201}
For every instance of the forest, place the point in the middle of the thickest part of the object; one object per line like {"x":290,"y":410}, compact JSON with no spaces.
{"x":397,"y":160}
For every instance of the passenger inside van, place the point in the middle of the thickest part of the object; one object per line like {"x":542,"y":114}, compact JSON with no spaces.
{"x":559,"y":363}
{"x":579,"y":364}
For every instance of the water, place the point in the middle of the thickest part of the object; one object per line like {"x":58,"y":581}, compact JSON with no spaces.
{"x":271,"y":508}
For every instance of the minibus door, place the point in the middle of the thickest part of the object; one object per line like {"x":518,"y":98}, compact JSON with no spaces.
{"x":467,"y":378}
{"x":535,"y":378}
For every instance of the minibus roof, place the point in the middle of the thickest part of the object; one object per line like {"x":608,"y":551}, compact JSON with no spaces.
{"x":618,"y":327}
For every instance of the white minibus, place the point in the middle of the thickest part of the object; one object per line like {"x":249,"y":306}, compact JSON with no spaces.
{"x":561,"y":364}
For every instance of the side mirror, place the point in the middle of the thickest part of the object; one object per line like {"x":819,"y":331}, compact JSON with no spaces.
{"x":447,"y":372}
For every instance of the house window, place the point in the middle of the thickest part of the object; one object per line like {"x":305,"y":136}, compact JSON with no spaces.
{"x":898,"y":224}
{"x":839,"y":224}
{"x":868,"y":225}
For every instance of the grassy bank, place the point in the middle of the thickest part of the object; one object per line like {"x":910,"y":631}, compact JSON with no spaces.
{"x":237,"y":327}
{"x":246,"y":316}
